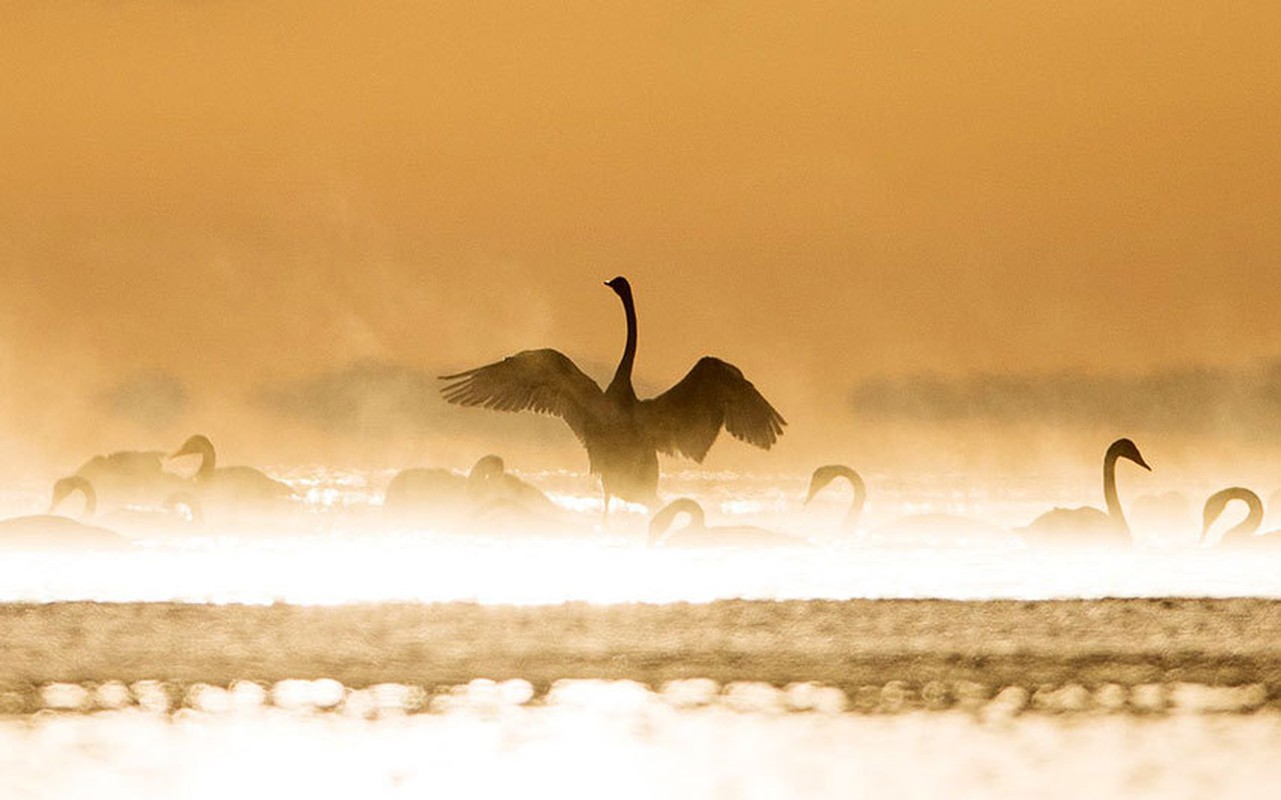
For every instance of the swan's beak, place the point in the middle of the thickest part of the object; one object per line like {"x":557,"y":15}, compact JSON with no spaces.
{"x":1139,"y":460}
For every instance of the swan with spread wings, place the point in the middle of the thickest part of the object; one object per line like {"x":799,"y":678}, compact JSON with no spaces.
{"x":622,"y":433}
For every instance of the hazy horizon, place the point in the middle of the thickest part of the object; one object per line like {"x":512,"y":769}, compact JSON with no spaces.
{"x":935,"y":236}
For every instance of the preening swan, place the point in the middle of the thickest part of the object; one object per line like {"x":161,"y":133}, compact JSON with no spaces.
{"x":48,"y":532}
{"x":698,"y":534}
{"x":231,"y":486}
{"x":1243,"y":535}
{"x":621,"y":433}
{"x":1087,"y":525}
{"x":131,"y":476}
{"x":181,"y":511}
{"x":914,"y":526}
{"x":440,"y":494}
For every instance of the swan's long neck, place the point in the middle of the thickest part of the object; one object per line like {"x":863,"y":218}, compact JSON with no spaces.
{"x":622,"y":382}
{"x":658,"y":526}
{"x":826,"y":474}
{"x":1109,"y":491}
{"x":208,"y":459}
{"x":1246,"y":527}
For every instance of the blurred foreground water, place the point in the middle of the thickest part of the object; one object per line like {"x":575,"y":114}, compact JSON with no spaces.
{"x":592,"y":739}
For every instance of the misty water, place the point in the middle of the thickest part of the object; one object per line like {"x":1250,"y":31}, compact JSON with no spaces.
{"x":589,"y":739}
{"x":335,"y":545}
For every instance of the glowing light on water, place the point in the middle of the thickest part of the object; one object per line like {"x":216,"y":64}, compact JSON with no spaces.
{"x":335,"y":548}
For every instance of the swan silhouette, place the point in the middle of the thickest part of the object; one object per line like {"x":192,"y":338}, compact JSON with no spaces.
{"x":696,"y":534}
{"x":236,"y":486}
{"x":131,"y":476}
{"x":1243,"y":535}
{"x":133,"y":520}
{"x":1088,"y":525}
{"x":50,"y":532}
{"x":934,"y":526}
{"x":621,"y":433}
{"x":440,"y":493}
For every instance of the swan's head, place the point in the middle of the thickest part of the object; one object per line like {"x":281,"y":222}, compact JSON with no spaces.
{"x":194,"y":445}
{"x":490,"y":466}
{"x":620,"y":286}
{"x":65,"y":487}
{"x":1125,"y":448}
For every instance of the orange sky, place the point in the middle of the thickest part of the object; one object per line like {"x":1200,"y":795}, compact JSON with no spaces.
{"x":244,"y":192}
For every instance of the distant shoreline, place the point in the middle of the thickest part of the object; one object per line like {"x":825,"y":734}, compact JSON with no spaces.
{"x":847,"y":644}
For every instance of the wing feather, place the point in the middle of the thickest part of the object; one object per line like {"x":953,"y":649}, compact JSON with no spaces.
{"x":543,"y":381}
{"x":686,"y":419}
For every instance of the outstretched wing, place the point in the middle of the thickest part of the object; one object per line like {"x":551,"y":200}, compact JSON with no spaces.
{"x":686,"y":418}
{"x":543,"y":381}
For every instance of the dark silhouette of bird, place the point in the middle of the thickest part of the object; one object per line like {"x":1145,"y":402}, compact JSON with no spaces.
{"x":128,"y":477}
{"x":697,"y":534}
{"x":1244,"y":535}
{"x":241,"y":487}
{"x":1087,"y":525}
{"x":439,"y":494}
{"x":53,"y":533}
{"x":621,"y":433}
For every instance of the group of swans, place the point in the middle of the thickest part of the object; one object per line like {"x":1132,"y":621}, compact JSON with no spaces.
{"x":147,"y":499}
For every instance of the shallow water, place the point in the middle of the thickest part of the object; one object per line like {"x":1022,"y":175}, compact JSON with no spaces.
{"x":335,"y":546}
{"x":594,"y":739}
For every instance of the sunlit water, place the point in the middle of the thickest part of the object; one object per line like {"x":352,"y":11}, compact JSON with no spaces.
{"x":591,"y":739}
{"x":335,"y":546}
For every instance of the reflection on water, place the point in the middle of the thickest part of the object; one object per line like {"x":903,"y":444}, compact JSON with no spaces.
{"x":595,"y":739}
{"x":334,"y":546}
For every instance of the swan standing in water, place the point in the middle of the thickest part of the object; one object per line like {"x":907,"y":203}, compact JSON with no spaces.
{"x":696,"y":534}
{"x":53,"y":533}
{"x":236,"y":487}
{"x":931,"y":526}
{"x":1087,"y":525}
{"x":621,"y":433}
{"x":1244,"y":535}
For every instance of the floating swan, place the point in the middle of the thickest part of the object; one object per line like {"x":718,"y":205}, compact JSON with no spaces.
{"x":53,"y":533}
{"x":131,"y":476}
{"x":1087,"y":525}
{"x":932,"y":526}
{"x":622,"y":434}
{"x":180,"y":513}
{"x":696,"y":534}
{"x":231,"y":486}
{"x":439,"y":494}
{"x":1243,"y":535}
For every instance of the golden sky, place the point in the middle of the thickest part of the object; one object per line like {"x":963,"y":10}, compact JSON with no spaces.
{"x":235,"y":193}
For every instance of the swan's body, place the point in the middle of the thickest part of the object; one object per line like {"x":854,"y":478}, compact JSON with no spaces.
{"x":621,"y":433}
{"x":696,"y":534}
{"x":1245,"y":534}
{"x":131,"y":476}
{"x":932,"y":527}
{"x":132,"y":519}
{"x":52,"y":533}
{"x":442,"y":494}
{"x":231,"y":486}
{"x":1087,"y":525}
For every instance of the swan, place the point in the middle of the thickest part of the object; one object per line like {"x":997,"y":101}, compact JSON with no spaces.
{"x":621,"y":433}
{"x":131,"y":476}
{"x":53,"y":533}
{"x":696,"y":534}
{"x":181,"y":509}
{"x":933,"y":526}
{"x":1243,"y":535}
{"x":233,"y":486}
{"x":441,"y":493}
{"x":1087,"y":525}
